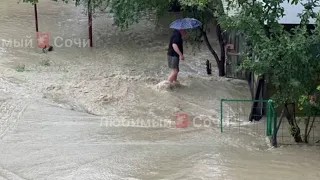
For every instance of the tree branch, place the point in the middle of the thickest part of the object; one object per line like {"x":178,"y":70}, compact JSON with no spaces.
{"x":221,"y":43}
{"x":311,"y":126}
{"x":306,"y":130}
{"x":281,"y":117}
{"x":213,"y":52}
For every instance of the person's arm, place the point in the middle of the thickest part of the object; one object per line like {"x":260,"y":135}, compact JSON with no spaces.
{"x":176,"y":49}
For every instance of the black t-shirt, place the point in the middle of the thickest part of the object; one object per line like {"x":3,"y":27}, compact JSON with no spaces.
{"x":176,"y":38}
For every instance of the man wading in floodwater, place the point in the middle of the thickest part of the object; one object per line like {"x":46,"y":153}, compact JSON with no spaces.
{"x":175,"y":53}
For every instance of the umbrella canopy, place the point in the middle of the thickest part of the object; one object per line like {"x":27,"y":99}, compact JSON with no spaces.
{"x":185,"y":23}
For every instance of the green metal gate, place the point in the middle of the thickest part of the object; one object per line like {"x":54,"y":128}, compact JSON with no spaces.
{"x":235,"y":115}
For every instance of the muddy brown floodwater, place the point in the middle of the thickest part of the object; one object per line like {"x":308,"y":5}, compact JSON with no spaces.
{"x":81,"y":113}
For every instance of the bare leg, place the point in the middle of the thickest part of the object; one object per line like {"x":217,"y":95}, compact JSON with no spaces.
{"x":176,"y":75}
{"x":173,"y":75}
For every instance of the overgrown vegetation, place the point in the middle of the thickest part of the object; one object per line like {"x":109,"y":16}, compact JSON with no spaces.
{"x":288,"y":56}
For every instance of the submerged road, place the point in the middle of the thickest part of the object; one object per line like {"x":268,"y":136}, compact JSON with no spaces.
{"x":48,"y":142}
{"x":121,"y":76}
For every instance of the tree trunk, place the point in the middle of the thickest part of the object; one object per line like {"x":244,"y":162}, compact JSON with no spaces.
{"x":306,"y":130}
{"x":221,"y":68}
{"x":306,"y":137}
{"x":280,"y":121}
{"x":213,"y":52}
{"x":220,"y":61}
{"x":274,"y":136}
{"x":295,"y":130}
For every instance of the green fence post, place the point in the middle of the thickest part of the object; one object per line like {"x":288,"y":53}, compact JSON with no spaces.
{"x":271,"y":115}
{"x":269,"y":118}
{"x":274,"y":143}
{"x":221,"y":115}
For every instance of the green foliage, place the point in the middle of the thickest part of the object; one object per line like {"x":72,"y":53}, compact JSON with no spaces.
{"x":246,"y":64}
{"x":201,"y":4}
{"x":30,"y":1}
{"x":95,"y":4}
{"x":303,"y":100}
{"x":201,"y":10}
{"x":289,"y":58}
{"x":310,"y":104}
{"x":125,"y":12}
{"x":128,"y":12}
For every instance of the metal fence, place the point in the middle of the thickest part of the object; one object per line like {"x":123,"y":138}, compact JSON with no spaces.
{"x":284,"y":136}
{"x":256,"y":117}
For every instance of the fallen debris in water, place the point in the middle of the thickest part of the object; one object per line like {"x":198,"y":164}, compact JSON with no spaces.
{"x":45,"y":49}
{"x":209,"y":70}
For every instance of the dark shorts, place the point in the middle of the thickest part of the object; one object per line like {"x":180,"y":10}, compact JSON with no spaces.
{"x":173,"y":62}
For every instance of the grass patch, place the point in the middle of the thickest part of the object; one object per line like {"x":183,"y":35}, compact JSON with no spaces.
{"x":21,"y":68}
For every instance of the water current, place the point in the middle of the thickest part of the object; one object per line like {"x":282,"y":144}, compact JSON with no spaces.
{"x":77,"y":117}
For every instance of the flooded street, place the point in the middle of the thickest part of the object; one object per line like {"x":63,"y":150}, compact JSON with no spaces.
{"x":67,"y":115}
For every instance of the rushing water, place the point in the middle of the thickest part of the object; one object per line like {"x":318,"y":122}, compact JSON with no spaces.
{"x":122,"y":78}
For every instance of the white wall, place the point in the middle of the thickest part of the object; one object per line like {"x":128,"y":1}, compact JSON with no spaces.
{"x":291,"y":13}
